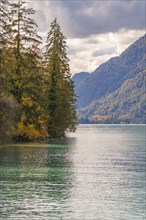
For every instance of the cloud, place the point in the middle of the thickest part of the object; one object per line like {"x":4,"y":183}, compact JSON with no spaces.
{"x":88,"y":54}
{"x":80,"y":19}
{"x":84,"y":18}
{"x":96,"y":29}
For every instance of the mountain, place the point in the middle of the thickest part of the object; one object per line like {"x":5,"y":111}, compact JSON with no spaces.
{"x":126,"y":104}
{"x":79,"y":77}
{"x":115,"y":91}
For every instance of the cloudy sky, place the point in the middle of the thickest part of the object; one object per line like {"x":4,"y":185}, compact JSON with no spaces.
{"x":96,"y":29}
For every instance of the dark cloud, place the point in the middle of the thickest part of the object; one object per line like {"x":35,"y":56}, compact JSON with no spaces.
{"x":80,"y":19}
{"x":109,"y":16}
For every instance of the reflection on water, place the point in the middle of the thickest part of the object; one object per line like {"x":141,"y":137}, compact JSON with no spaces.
{"x":34,"y":179}
{"x":97,"y":173}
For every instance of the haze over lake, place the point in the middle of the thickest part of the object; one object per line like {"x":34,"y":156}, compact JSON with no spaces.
{"x":98,"y":173}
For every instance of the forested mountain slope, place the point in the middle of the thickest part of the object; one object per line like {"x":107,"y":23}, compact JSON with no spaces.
{"x":115,"y":91}
{"x":125,"y":105}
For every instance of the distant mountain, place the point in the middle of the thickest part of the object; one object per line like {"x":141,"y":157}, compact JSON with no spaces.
{"x":125,"y":105}
{"x":115,"y":91}
{"x":79,"y":77}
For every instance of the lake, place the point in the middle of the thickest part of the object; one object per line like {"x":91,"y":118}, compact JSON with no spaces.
{"x":98,"y":173}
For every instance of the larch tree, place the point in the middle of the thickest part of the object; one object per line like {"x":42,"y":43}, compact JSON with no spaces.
{"x":61,"y":99}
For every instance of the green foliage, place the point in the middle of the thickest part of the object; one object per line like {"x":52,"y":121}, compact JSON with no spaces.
{"x":5,"y":23}
{"x":61,"y":101}
{"x":24,"y":73}
{"x":21,"y":70}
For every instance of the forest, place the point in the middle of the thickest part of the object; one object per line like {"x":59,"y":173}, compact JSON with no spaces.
{"x":37,"y":98}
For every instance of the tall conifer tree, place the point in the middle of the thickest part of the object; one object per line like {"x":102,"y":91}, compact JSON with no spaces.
{"x":5,"y":38}
{"x":4,"y":22}
{"x":61,"y":99}
{"x":8,"y":105}
{"x":26,"y":69}
{"x":24,"y":37}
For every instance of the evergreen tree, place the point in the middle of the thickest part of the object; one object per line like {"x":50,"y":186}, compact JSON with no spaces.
{"x":24,"y":68}
{"x":9,"y":109}
{"x":61,"y":100}
{"x":31,"y":100}
{"x":24,"y":37}
{"x":4,"y":23}
{"x":5,"y":36}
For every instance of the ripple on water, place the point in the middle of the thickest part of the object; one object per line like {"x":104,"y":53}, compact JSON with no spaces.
{"x":98,"y":173}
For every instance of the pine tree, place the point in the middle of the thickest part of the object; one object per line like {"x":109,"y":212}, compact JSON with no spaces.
{"x":61,"y":99}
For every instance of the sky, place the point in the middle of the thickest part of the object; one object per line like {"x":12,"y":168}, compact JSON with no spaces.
{"x":96,"y":30}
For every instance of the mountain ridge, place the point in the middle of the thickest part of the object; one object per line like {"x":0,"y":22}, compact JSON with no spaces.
{"x":79,"y":77}
{"x":105,"y":83}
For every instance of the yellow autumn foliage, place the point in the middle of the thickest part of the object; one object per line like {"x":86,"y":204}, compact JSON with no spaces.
{"x":27,"y":101}
{"x":29,"y":130}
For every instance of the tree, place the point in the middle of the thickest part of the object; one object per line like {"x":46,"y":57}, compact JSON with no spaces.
{"x":8,"y":105}
{"x":5,"y":36}
{"x":24,"y":37}
{"x":5,"y":23}
{"x":21,"y":66}
{"x":60,"y":95}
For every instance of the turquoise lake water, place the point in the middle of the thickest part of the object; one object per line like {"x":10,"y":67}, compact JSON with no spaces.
{"x":98,"y":173}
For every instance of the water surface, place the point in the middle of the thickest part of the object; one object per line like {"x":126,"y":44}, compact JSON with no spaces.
{"x":98,"y":173}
